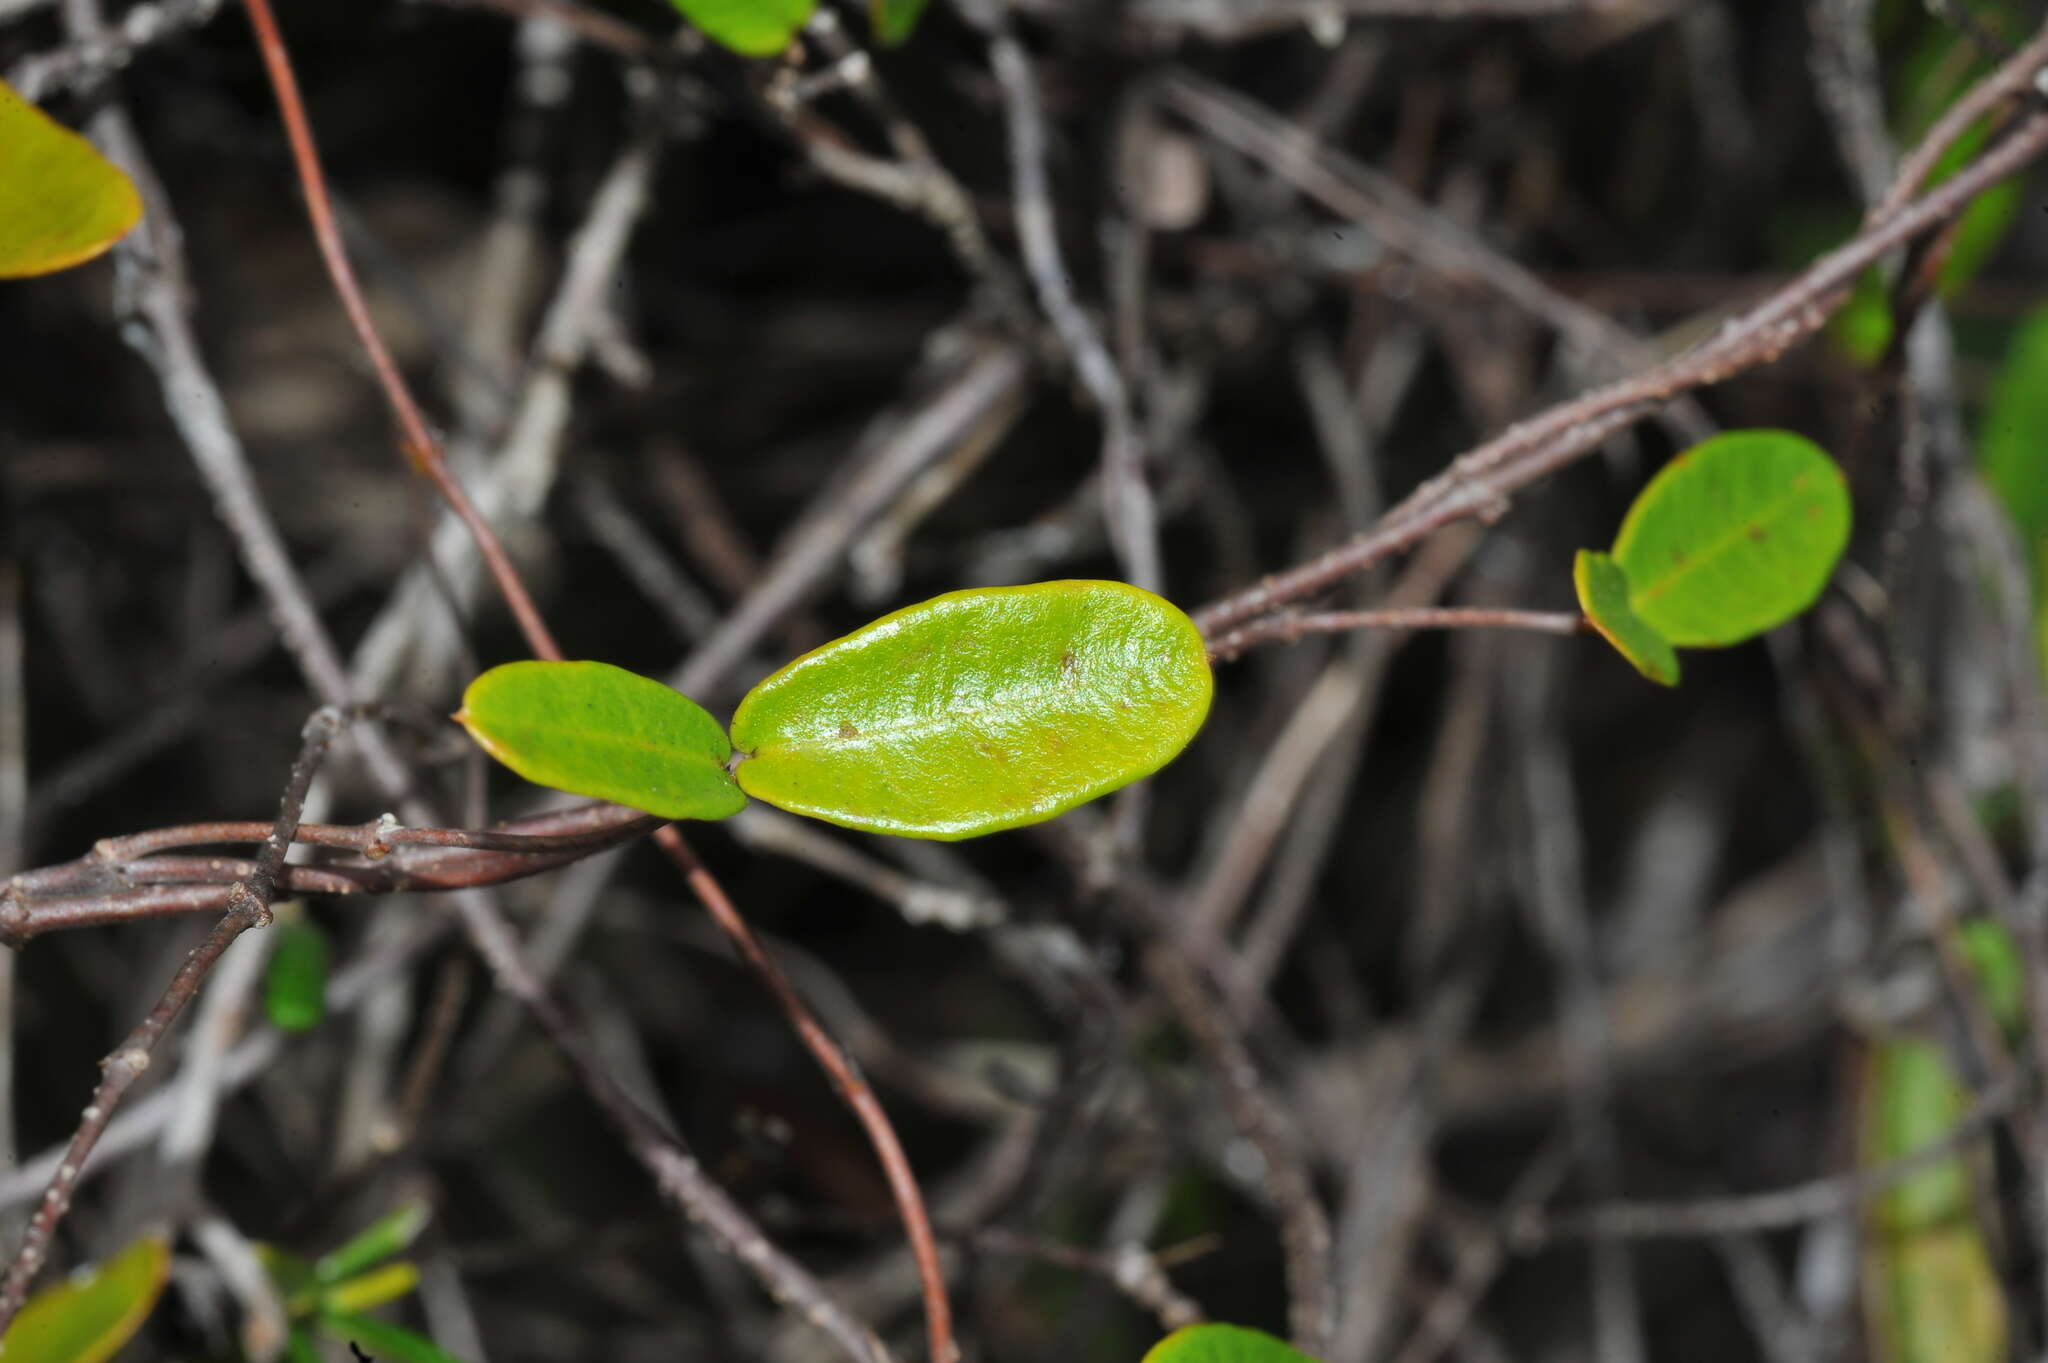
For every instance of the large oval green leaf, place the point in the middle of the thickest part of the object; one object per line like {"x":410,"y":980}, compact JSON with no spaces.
{"x":90,"y":1315}
{"x":1223,"y":1344}
{"x":753,"y":28}
{"x":1734,"y":537}
{"x":61,"y":202}
{"x":978,"y":710}
{"x":598,"y":730}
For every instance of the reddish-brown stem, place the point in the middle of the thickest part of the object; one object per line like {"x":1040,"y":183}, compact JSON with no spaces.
{"x":422,"y":449}
{"x":425,"y":454}
{"x":846,"y":1078}
{"x":248,"y":906}
{"x":1281,"y":629}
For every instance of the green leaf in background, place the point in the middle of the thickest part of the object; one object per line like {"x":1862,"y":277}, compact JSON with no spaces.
{"x":598,"y":730}
{"x":385,"y":1342}
{"x":90,"y":1315}
{"x":978,"y":710}
{"x":61,"y":202}
{"x":1733,"y":537}
{"x":752,"y":28}
{"x":2000,"y":975}
{"x":300,"y":1347}
{"x":1223,"y":1344}
{"x":382,"y":1238}
{"x":1603,"y":596}
{"x":895,"y":19}
{"x":1931,"y":1292}
{"x":2012,"y":452}
{"x":368,"y":1291}
{"x":295,"y":982}
{"x":1912,"y":1100}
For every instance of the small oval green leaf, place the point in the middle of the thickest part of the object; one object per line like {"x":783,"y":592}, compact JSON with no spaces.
{"x":895,"y":20}
{"x":295,"y":983}
{"x":389,"y":1234}
{"x":61,"y":202}
{"x":598,"y":730}
{"x":385,"y":1342}
{"x":1914,"y":1100}
{"x":752,"y":28}
{"x":1734,"y":537}
{"x":1603,"y":596}
{"x":978,"y":710}
{"x":1223,"y":1344}
{"x":89,"y":1316}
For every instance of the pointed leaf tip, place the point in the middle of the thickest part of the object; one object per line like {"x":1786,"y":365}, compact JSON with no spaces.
{"x":61,"y":202}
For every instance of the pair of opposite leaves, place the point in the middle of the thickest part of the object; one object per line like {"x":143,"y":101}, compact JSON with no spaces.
{"x":990,"y":709}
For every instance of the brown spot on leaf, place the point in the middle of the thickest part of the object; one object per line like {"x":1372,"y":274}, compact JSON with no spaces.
{"x":846,"y":730}
{"x":1070,"y":667}
{"x":1757,"y":534}
{"x":990,"y":751}
{"x":1678,"y":557}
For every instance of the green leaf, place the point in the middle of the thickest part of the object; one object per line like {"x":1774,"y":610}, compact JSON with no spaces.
{"x":1733,"y":537}
{"x":752,"y":28}
{"x":61,"y":202}
{"x":598,"y":730}
{"x":368,"y":1291}
{"x":295,"y":983}
{"x":382,"y":1238}
{"x":90,"y":1315}
{"x":1223,"y":1344}
{"x":1936,"y":1298}
{"x":1603,"y":596}
{"x":1912,"y":1101}
{"x":1995,"y":962}
{"x":385,"y":1342}
{"x":2012,"y":443}
{"x":896,"y":19}
{"x":978,"y":710}
{"x":299,"y":1347}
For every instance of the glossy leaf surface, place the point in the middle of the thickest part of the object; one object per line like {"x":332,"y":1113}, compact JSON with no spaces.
{"x":752,"y":28}
{"x":90,"y":1315}
{"x":385,"y":1342}
{"x":368,"y":1291}
{"x":1733,"y":537}
{"x":978,"y":710}
{"x":1223,"y":1344}
{"x":598,"y":730}
{"x":1603,"y":596}
{"x":295,"y":982}
{"x":61,"y":202}
{"x":895,"y":20}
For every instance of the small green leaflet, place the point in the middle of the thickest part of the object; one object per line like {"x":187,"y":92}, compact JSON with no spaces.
{"x":598,"y":730}
{"x":295,"y":982}
{"x":61,"y":202}
{"x":387,"y":1235}
{"x":1223,"y":1344}
{"x":752,"y":28}
{"x":978,"y":710}
{"x":385,"y":1342}
{"x":1603,"y":596}
{"x":2012,"y":451}
{"x":90,"y":1315}
{"x":1732,"y":538}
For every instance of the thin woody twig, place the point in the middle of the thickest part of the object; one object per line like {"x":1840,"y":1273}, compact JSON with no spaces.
{"x":1291,"y":628}
{"x":1128,"y":505}
{"x":248,"y":907}
{"x":1479,"y":483}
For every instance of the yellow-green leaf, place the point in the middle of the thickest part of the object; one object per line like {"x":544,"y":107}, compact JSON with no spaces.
{"x":389,"y":1234}
{"x":61,"y":202}
{"x":1934,"y":1297}
{"x":367,"y":1291}
{"x":1912,"y":1100}
{"x":598,"y":730}
{"x":1603,"y":596}
{"x":1223,"y":1344}
{"x":1733,"y":537}
{"x":90,"y":1315}
{"x":978,"y":710}
{"x":753,"y":28}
